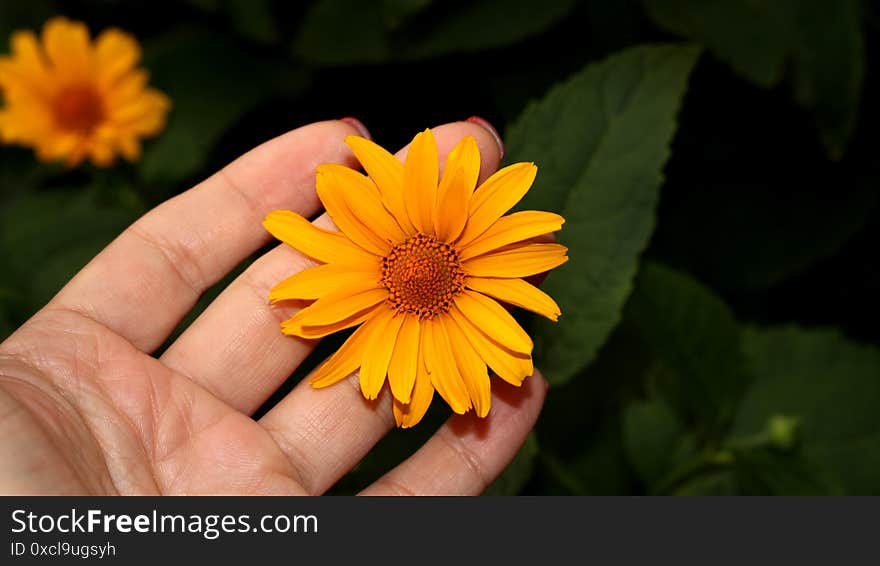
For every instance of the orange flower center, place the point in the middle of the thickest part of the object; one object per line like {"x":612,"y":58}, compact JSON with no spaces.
{"x":78,"y":109}
{"x":423,"y":275}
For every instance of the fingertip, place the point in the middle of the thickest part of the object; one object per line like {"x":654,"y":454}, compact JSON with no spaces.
{"x":486,"y":125}
{"x":359,"y":127}
{"x":450,"y":134}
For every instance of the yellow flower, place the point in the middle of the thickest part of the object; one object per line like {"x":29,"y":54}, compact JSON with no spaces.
{"x":70,"y":98}
{"x":418,"y":263}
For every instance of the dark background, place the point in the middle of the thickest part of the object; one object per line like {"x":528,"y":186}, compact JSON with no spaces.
{"x":768,"y":211}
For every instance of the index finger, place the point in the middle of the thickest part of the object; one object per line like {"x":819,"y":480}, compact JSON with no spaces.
{"x":176,"y":251}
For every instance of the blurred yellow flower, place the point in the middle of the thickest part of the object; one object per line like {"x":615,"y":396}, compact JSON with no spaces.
{"x":70,"y":98}
{"x":418,"y":263}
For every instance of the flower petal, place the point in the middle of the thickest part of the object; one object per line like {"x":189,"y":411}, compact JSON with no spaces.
{"x":517,"y":261}
{"x":404,"y":363}
{"x":495,"y":197}
{"x":315,"y":282}
{"x":513,"y":228}
{"x":360,"y":197}
{"x":68,"y":48}
{"x":471,"y":367}
{"x":331,"y":194}
{"x":441,"y":367}
{"x":305,"y":237}
{"x":407,"y":415}
{"x":116,"y":53}
{"x":509,"y":366}
{"x":517,"y":292}
{"x":420,"y":172}
{"x":126,"y":91}
{"x":487,"y":314}
{"x":343,"y":309}
{"x":345,"y":361}
{"x":460,"y":175}
{"x":378,"y":352}
{"x":386,"y":171}
{"x":26,"y":68}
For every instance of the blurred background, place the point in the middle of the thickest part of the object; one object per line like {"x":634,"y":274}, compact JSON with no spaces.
{"x":716,"y":161}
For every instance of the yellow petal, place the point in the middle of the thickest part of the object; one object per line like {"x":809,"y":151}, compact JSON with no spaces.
{"x":487,"y":314}
{"x":517,"y":261}
{"x":101,"y":154}
{"x":69,"y":49}
{"x":453,"y":196}
{"x":345,"y":361}
{"x":404,"y":363}
{"x":495,"y":197}
{"x":116,"y":53}
{"x":509,"y":366}
{"x":513,"y":228}
{"x":144,"y":114}
{"x":130,"y":147}
{"x":517,"y":292}
{"x":339,"y":310}
{"x":420,"y":172}
{"x":465,"y":154}
{"x":407,"y":415}
{"x":471,"y":367}
{"x":353,"y":202}
{"x":126,"y":91}
{"x":378,"y":352}
{"x":387,"y":172}
{"x":323,"y":245}
{"x":331,"y":195}
{"x":441,"y":367}
{"x":315,"y":282}
{"x":26,"y":67}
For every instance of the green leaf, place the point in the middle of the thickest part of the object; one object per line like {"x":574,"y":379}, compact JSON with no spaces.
{"x":397,"y":12}
{"x":211,"y":83}
{"x":697,"y":336}
{"x":487,"y":24}
{"x":830,"y":67}
{"x":346,"y":32}
{"x":753,"y":36}
{"x":758,"y":38}
{"x":600,"y":140}
{"x":518,"y":472}
{"x":765,"y":471}
{"x":652,"y":433}
{"x":45,"y":238}
{"x":831,"y":385}
{"x":341,"y":32}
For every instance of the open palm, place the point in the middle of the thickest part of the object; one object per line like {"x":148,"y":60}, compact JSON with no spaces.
{"x":85,"y":408}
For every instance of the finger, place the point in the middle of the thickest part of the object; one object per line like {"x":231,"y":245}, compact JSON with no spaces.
{"x":468,"y":453}
{"x":148,"y":278}
{"x":235,"y":348}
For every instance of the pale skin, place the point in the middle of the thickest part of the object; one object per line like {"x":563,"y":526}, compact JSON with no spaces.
{"x":86,"y":409}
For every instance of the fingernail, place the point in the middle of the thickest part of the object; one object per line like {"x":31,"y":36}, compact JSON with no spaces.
{"x":483,"y":123}
{"x":357,"y":125}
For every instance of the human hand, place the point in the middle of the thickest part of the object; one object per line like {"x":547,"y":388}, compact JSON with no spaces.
{"x":85,"y":408}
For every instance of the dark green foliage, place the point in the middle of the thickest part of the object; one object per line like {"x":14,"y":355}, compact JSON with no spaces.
{"x":697,"y":338}
{"x":600,"y":140}
{"x":820,"y":39}
{"x":715,"y":160}
{"x":346,"y":32}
